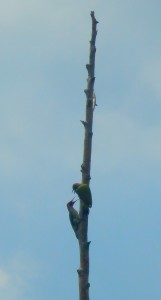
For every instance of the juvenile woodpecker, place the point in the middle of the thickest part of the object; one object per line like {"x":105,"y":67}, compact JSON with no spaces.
{"x":84,"y":193}
{"x":73,"y":216}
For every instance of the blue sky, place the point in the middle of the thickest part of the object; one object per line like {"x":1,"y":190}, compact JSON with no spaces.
{"x":44,"y":50}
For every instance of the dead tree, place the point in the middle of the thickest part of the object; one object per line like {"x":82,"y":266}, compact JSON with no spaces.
{"x":79,"y":221}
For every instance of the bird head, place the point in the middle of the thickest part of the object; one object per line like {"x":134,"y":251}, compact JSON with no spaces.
{"x":75,"y":187}
{"x":71,"y":203}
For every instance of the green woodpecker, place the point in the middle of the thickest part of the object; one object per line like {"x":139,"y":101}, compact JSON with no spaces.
{"x":84,"y":193}
{"x":73,"y":216}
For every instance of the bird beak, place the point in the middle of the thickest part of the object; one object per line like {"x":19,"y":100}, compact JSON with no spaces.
{"x":74,"y":201}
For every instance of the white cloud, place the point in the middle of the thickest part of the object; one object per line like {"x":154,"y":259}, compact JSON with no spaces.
{"x":45,"y":28}
{"x":4,"y":279}
{"x":56,"y":16}
{"x":16,"y":277}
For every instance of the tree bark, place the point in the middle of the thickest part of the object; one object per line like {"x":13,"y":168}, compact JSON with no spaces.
{"x":83,"y":271}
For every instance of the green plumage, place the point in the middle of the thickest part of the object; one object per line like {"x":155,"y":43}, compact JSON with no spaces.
{"x":84,"y":193}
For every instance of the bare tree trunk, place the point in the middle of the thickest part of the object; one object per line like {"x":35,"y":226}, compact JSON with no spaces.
{"x":83,"y":271}
{"x":79,"y":222}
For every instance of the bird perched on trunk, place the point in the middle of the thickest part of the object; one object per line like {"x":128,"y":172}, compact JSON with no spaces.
{"x":73,"y":216}
{"x":84,"y":193}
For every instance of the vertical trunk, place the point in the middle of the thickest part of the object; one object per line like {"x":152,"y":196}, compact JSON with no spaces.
{"x":83,"y":271}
